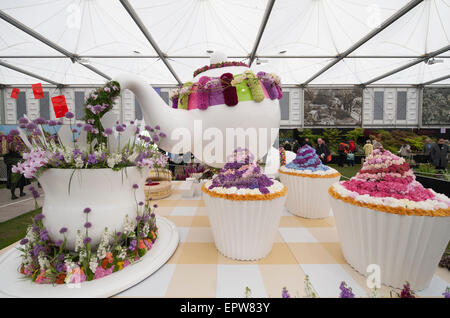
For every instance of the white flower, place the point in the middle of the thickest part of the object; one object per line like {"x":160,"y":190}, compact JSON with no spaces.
{"x":79,"y":163}
{"x":93,"y":264}
{"x":128,"y":227}
{"x":43,"y":262}
{"x":79,"y":241}
{"x":103,"y":247}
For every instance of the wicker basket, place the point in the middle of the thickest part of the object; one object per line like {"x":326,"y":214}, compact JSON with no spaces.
{"x":164,"y":187}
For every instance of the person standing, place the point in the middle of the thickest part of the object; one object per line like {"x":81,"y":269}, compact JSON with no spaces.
{"x":11,"y":159}
{"x":368,"y":148}
{"x":352,"y":148}
{"x":405,"y":151}
{"x":439,"y":153}
{"x":322,"y":150}
{"x":427,"y":150}
{"x":377,"y":142}
{"x":307,"y":142}
{"x":342,"y":151}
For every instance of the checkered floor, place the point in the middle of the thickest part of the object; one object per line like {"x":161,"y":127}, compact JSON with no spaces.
{"x":302,"y":247}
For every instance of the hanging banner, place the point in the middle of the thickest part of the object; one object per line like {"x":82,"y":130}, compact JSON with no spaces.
{"x":59,"y":106}
{"x":15,"y":93}
{"x":37,"y":91}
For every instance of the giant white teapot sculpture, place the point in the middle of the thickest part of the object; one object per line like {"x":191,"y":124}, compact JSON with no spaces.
{"x":204,"y":130}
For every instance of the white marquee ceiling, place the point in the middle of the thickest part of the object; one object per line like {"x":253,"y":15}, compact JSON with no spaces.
{"x":310,"y":33}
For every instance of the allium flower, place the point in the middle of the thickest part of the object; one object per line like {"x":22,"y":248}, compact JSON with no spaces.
{"x":23,"y":120}
{"x":135,"y":186}
{"x":148,"y":127}
{"x":79,"y":125}
{"x":39,"y":217}
{"x":34,"y":192}
{"x":87,"y":240}
{"x":40,"y":121}
{"x":52,"y":123}
{"x":120,"y":128}
{"x":63,"y":230}
{"x":44,"y":235}
{"x":119,"y":234}
{"x":87,"y":210}
{"x":157,"y":127}
{"x":108,"y":131}
{"x":152,"y":215}
{"x":346,"y":292}
{"x":31,"y":126}
{"x":59,"y":243}
{"x":155,"y":138}
{"x":138,"y":218}
{"x":24,"y":241}
{"x":141,"y":203}
{"x":69,"y":115}
{"x":446,"y":294}
{"x":87,"y":225}
{"x":87,"y":127}
{"x":75,"y":131}
{"x":22,"y":126}
{"x":162,"y":135}
{"x":285,"y":293}
{"x":155,"y":206}
{"x":14,"y":132}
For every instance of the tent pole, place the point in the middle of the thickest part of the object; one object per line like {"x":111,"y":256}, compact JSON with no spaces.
{"x":41,"y":38}
{"x":436,"y":80}
{"x":409,"y":6}
{"x":149,"y":37}
{"x":261,"y":30}
{"x":20,"y":70}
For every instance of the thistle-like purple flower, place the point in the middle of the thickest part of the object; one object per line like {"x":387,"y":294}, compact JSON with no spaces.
{"x":162,"y":135}
{"x":14,"y":132}
{"x":52,"y":123}
{"x":44,"y":235}
{"x":24,"y":241}
{"x":135,"y":186}
{"x":69,"y":115}
{"x":138,"y":218}
{"x":79,"y":125}
{"x":152,"y":215}
{"x":58,"y":243}
{"x":40,"y":121}
{"x":155,"y":206}
{"x":157,"y":127}
{"x":23,"y":120}
{"x":141,"y":203}
{"x":39,"y":217}
{"x":119,"y":234}
{"x":31,"y":126}
{"x":148,"y":127}
{"x":87,"y":210}
{"x":120,"y":128}
{"x":446,"y":293}
{"x":87,"y":225}
{"x":63,"y":230}
{"x":285,"y":293}
{"x":346,"y":292}
{"x":87,"y":127}
{"x":87,"y":240}
{"x":155,"y":138}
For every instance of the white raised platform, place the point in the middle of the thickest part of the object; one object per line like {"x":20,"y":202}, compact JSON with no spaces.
{"x":13,"y":284}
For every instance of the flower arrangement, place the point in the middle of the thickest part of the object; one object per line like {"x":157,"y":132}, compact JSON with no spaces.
{"x":89,"y":145}
{"x":218,"y":65}
{"x":45,"y":261}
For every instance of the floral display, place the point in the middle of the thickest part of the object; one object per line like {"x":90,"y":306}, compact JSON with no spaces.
{"x":227,"y":89}
{"x":346,"y":292}
{"x":307,"y":164}
{"x":282,"y":156}
{"x":46,"y":261}
{"x":218,"y":65}
{"x":386,"y":183}
{"x":241,"y":178}
{"x":90,"y":145}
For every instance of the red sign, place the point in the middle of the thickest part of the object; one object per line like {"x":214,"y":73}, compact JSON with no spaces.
{"x":59,"y":106}
{"x":37,"y":90}
{"x":15,"y":93}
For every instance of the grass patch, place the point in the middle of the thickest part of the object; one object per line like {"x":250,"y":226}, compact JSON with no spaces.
{"x":346,"y":170}
{"x":15,"y":229}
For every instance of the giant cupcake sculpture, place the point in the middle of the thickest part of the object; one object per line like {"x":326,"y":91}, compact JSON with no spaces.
{"x":308,"y":181}
{"x":385,"y":217}
{"x":244,"y":208}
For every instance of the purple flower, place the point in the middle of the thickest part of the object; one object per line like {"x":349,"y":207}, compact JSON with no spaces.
{"x":60,"y":266}
{"x":39,"y":217}
{"x":142,"y":234}
{"x":141,"y":203}
{"x":155,"y":138}
{"x":346,"y":292}
{"x":108,"y":131}
{"x":87,"y":225}
{"x":52,"y":123}
{"x":87,"y":210}
{"x":22,"y":126}
{"x":23,"y":120}
{"x":43,"y":235}
{"x":407,"y":292}
{"x":14,"y":132}
{"x":132,"y":246}
{"x":446,"y":294}
{"x":35,"y":228}
{"x":63,"y":230}
{"x":157,"y":127}
{"x":24,"y":241}
{"x":92,"y":159}
{"x":74,"y":131}
{"x":152,"y":215}
{"x":69,"y":115}
{"x":87,"y":240}
{"x":40,"y":121}
{"x":58,"y":243}
{"x":34,"y":193}
{"x":285,"y":293}
{"x":132,"y":122}
{"x":119,"y":234}
{"x":37,"y":132}
{"x":155,"y":206}
{"x":37,"y":249}
{"x":61,"y":257}
{"x":31,"y":126}
{"x":79,"y":125}
{"x":87,"y":127}
{"x":135,"y":186}
{"x":76,"y":152}
{"x":148,"y":127}
{"x":162,"y":135}
{"x":59,"y":122}
{"x":120,"y":128}
{"x":138,"y":218}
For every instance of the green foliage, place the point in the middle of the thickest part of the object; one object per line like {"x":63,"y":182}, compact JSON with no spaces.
{"x":332,"y":136}
{"x":426,"y":168}
{"x":355,"y":134}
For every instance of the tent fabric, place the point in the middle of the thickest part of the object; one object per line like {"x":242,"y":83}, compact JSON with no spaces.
{"x":300,"y":38}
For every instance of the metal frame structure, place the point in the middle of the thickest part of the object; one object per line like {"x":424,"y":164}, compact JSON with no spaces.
{"x":75,"y":58}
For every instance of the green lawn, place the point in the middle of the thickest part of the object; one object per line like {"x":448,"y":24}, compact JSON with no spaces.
{"x":346,"y":170}
{"x":15,"y":229}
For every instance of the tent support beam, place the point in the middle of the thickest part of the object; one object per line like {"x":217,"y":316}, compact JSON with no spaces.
{"x":41,"y":38}
{"x":408,"y":7}
{"x":408,"y":65}
{"x":436,"y":80}
{"x":262,"y":27}
{"x":20,"y":70}
{"x":149,"y":37}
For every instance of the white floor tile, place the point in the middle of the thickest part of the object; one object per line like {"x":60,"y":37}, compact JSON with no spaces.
{"x":435,"y":289}
{"x":183,"y":233}
{"x":296,"y":235}
{"x":184,"y":210}
{"x":154,"y":286}
{"x":232,"y":280}
{"x":326,"y":279}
